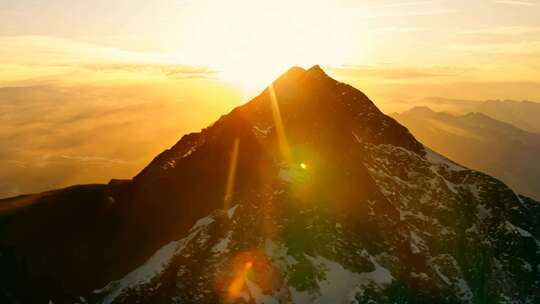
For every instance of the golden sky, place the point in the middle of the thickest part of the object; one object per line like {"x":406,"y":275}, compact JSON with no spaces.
{"x":251,"y":41}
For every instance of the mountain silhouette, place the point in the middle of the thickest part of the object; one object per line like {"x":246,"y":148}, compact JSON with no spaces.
{"x":308,"y":193}
{"x":522,"y":114}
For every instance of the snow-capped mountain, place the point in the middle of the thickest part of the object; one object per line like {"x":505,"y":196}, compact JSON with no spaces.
{"x":306,"y":194}
{"x":480,"y":142}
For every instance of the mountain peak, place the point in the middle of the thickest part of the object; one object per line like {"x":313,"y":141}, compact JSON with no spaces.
{"x":421,"y":110}
{"x":311,"y":97}
{"x":317,"y":71}
{"x":291,"y":74}
{"x":296,"y":72}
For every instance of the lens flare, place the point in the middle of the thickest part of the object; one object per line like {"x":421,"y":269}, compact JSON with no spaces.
{"x":231,"y":176}
{"x":278,"y":122}
{"x":247,"y":270}
{"x":239,"y":281}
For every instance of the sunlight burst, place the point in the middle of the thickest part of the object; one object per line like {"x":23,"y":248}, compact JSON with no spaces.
{"x":251,"y":42}
{"x":231,"y":176}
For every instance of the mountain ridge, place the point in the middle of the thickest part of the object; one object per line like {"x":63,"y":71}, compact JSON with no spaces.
{"x":481,"y":142}
{"x":521,"y":114}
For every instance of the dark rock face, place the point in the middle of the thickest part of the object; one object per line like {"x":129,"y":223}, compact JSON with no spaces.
{"x":306,"y":194}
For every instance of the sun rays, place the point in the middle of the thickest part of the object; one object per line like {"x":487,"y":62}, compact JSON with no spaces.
{"x":231,"y":176}
{"x":251,"y":42}
{"x":278,"y":124}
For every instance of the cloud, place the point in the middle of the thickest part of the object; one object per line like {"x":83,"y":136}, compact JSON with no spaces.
{"x":396,"y":29}
{"x":506,"y":50}
{"x":520,"y":44}
{"x":395,"y":97}
{"x":30,"y":60}
{"x":510,"y":48}
{"x":174,"y":71}
{"x":405,"y":4}
{"x":397,"y":72}
{"x":55,"y":136}
{"x":399,"y":9}
{"x":50,"y":50}
{"x":505,"y":30}
{"x":93,"y":159}
{"x":516,"y":2}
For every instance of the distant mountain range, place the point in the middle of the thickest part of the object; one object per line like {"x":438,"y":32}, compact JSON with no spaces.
{"x":481,"y":142}
{"x":306,"y":194}
{"x":522,"y":114}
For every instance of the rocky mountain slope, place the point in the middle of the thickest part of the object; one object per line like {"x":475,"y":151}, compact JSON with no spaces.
{"x":480,"y":142}
{"x":306,"y":194}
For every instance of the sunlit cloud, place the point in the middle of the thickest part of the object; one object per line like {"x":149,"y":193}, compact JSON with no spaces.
{"x":506,"y":30}
{"x":516,"y":2}
{"x":50,"y":50}
{"x":174,"y":71}
{"x":400,"y":9}
{"x":519,"y":48}
{"x":387,"y":72}
{"x":396,"y":29}
{"x":380,"y":13}
{"x":30,"y":58}
{"x":55,"y":136}
{"x":405,"y":4}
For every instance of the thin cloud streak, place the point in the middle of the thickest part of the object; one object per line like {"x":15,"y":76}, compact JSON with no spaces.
{"x":521,"y":48}
{"x":516,"y":3}
{"x":367,"y":14}
{"x":505,"y":30}
{"x":399,"y":9}
{"x":399,"y":72}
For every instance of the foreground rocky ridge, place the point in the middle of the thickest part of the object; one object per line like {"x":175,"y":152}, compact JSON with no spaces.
{"x":448,"y":244}
{"x":306,"y":194}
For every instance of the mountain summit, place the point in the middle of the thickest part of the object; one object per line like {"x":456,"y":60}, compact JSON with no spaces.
{"x":306,"y":194}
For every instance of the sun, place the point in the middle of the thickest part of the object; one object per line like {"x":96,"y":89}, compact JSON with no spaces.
{"x":250,"y":42}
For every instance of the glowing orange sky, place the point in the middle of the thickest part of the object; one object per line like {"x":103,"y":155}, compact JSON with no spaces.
{"x":250,"y":42}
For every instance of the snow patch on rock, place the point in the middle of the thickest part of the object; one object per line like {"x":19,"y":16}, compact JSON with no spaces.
{"x":436,"y":158}
{"x":142,"y":275}
{"x":205,"y":221}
